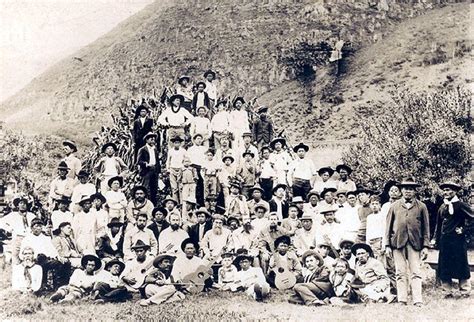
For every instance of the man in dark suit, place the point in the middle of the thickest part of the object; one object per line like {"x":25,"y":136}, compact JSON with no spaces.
{"x":197,"y":231}
{"x":278,"y":204}
{"x":148,"y":161}
{"x":141,"y":127}
{"x":201,"y":98}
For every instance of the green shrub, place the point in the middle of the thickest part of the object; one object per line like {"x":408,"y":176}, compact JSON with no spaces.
{"x":424,"y":135}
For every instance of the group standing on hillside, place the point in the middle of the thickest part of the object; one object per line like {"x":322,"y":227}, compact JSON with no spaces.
{"x":247,"y":212}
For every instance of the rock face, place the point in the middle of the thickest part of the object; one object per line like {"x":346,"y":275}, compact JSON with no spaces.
{"x":239,"y":39}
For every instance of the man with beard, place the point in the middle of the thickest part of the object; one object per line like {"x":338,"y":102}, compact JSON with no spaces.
{"x":84,"y":225}
{"x":139,"y":204}
{"x":137,"y":267}
{"x":217,"y":240}
{"x":267,"y":238}
{"x":158,"y":284}
{"x":27,"y":275}
{"x":305,"y":237}
{"x":262,"y":128}
{"x":139,"y":232}
{"x":171,"y":238}
{"x":245,"y":237}
{"x":109,"y":287}
{"x":203,"y":225}
{"x":18,"y":224}
{"x":148,"y":161}
{"x":344,"y":182}
{"x":61,"y":186}
{"x":158,"y":221}
{"x":453,"y":217}
{"x":110,"y":245}
{"x":407,"y":238}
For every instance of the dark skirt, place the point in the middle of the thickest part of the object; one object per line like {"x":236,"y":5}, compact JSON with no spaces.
{"x":452,"y":260}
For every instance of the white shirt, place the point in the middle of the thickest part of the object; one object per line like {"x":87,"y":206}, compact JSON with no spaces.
{"x":221,"y":122}
{"x":168,"y":117}
{"x":200,"y":99}
{"x":201,"y":125}
{"x":58,"y":217}
{"x":213,"y":244}
{"x":347,"y":185}
{"x":183,"y":266}
{"x":110,"y":167}
{"x":267,"y":170}
{"x":19,"y":281}
{"x":376,"y":226}
{"x":211,"y":90}
{"x":350,"y":221}
{"x":197,"y":154}
{"x":81,"y":190}
{"x":41,"y":244}
{"x":151,"y":152}
{"x":15,"y":224}
{"x":239,"y":122}
{"x":301,"y":169}
{"x":170,"y":241}
{"x":280,"y":160}
{"x":175,"y":158}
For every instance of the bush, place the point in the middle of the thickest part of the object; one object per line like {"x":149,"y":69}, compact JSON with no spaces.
{"x":424,"y":135}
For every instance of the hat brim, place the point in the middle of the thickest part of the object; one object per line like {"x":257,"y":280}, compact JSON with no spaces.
{"x":113,"y":262}
{"x":87,"y":258}
{"x":162,"y":257}
{"x":301,"y":146}
{"x":451,"y":186}
{"x":364,"y":246}
{"x":111,"y":180}
{"x":312,"y":253}
{"x":278,"y":186}
{"x":71,"y":145}
{"x":344,"y":167}
{"x":275,"y":141}
{"x":105,"y":146}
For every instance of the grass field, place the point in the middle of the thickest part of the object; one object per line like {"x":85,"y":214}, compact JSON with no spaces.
{"x":224,"y":306}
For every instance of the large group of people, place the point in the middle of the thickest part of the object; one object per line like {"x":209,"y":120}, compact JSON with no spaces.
{"x":247,"y":212}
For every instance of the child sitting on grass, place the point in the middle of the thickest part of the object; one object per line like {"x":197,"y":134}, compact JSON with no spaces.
{"x":227,"y":274}
{"x":341,"y":280}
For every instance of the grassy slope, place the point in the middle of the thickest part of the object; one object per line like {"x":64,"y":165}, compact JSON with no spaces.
{"x":239,"y":40}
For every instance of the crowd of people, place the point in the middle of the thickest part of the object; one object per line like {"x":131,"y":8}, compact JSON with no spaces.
{"x":247,"y":212}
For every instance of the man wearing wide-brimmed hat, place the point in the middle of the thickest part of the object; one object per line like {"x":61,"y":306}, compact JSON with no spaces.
{"x":85,"y":226}
{"x":73,"y":163}
{"x":142,"y":125}
{"x":256,"y":193}
{"x":138,"y":204}
{"x":239,"y":123}
{"x":111,"y":165}
{"x":280,"y":160}
{"x":174,"y":118}
{"x":262,"y":128}
{"x":185,"y":89}
{"x":220,"y":123}
{"x":278,"y":203}
{"x":451,"y":234}
{"x":138,"y":231}
{"x":305,"y":237}
{"x":200,"y":98}
{"x":61,"y":186}
{"x":302,"y":172}
{"x":83,"y":188}
{"x":211,"y":88}
{"x":344,"y":182}
{"x":325,"y":173}
{"x":110,"y":244}
{"x":109,"y":287}
{"x":81,"y":283}
{"x":251,"y":279}
{"x":407,"y":238}
{"x":203,"y":225}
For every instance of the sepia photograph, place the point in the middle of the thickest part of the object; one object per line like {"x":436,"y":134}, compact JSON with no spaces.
{"x":223,"y":160}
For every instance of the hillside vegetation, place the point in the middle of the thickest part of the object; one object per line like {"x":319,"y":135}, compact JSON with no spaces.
{"x":242,"y":42}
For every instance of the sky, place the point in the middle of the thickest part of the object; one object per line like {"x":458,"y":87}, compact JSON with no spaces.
{"x":35,"y":34}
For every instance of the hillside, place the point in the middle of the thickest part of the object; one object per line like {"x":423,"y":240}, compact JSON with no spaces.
{"x":241,"y":40}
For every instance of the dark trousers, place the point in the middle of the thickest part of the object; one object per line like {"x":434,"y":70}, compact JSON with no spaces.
{"x":119,"y":294}
{"x":267,"y":186}
{"x":301,"y":187}
{"x":150,"y":181}
{"x":55,"y":273}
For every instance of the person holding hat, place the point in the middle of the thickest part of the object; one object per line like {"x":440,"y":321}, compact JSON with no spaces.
{"x":325,"y":173}
{"x":116,"y":199}
{"x":110,"y":244}
{"x":81,"y":283}
{"x":278,"y":204}
{"x":135,"y":268}
{"x":159,"y":286}
{"x":283,"y":258}
{"x":148,"y":161}
{"x":61,"y":186}
{"x":363,"y":195}
{"x":174,"y":166}
{"x":251,"y":279}
{"x":27,"y":275}
{"x":450,"y":239}
{"x":18,"y":224}
{"x":216,"y":240}
{"x":158,"y":221}
{"x":220,"y":124}
{"x":138,"y":204}
{"x":200,"y":98}
{"x":201,"y":124}
{"x":110,"y":165}
{"x":83,"y":188}
{"x":73,"y":163}
{"x":110,"y":288}
{"x":256,"y":193}
{"x":139,"y":231}
{"x":373,"y":282}
{"x":211,"y":88}
{"x":315,"y":286}
{"x":262,"y":128}
{"x":247,"y":172}
{"x":267,"y":238}
{"x":305,"y":236}
{"x":204,"y":224}
{"x":85,"y":228}
{"x":239,"y":123}
{"x":344,"y":182}
{"x":142,"y":125}
{"x":407,"y":238}
{"x":171,"y":238}
{"x":185,"y":89}
{"x":280,"y":160}
{"x":301,"y":172}
{"x":66,"y":245}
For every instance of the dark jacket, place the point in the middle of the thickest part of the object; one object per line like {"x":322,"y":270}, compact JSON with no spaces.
{"x":206,"y":101}
{"x":144,"y":157}
{"x":194,"y":231}
{"x":105,"y":250}
{"x":157,"y":230}
{"x":263,"y":130}
{"x":408,"y":225}
{"x":140,"y":131}
{"x":284,"y":206}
